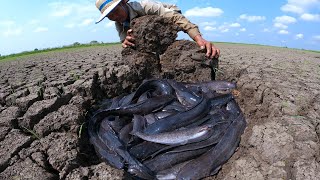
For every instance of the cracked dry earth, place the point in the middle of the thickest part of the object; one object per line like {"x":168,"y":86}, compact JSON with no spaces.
{"x":44,"y":100}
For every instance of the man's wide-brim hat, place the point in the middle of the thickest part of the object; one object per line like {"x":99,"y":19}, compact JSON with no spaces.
{"x":105,"y":7}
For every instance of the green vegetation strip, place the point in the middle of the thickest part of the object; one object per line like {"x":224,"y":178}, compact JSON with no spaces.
{"x":36,"y":51}
{"x":315,"y":51}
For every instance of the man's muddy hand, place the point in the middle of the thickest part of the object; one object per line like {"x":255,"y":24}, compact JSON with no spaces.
{"x":129,"y":40}
{"x":212,"y":51}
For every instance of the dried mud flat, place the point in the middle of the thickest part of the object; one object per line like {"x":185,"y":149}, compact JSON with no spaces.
{"x":44,"y":100}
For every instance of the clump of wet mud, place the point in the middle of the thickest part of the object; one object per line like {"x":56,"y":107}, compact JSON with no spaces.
{"x":157,"y":49}
{"x":144,"y":64}
{"x":184,"y":60}
{"x":153,"y":33}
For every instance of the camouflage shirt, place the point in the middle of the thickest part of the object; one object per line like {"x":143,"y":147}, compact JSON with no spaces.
{"x":147,"y":7}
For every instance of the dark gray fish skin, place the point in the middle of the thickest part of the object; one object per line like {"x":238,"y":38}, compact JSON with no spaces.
{"x":103,"y":151}
{"x":139,"y":123}
{"x":185,"y":96}
{"x":180,"y":119}
{"x":145,"y":149}
{"x":199,"y":122}
{"x":174,"y":106}
{"x":144,"y":107}
{"x":144,"y":96}
{"x":219,"y":86}
{"x":167,"y":160}
{"x":124,"y":134}
{"x":171,"y":173}
{"x":115,"y":102}
{"x":147,"y":106}
{"x":220,"y":127}
{"x":106,"y":154}
{"x":138,"y":172}
{"x":219,"y":131}
{"x":233,"y":108}
{"x":164,"y":114}
{"x":162,"y":87}
{"x":151,"y":118}
{"x":220,"y":100}
{"x":216,"y":119}
{"x":126,"y":100}
{"x":107,"y":135}
{"x":178,"y":137}
{"x":204,"y":165}
{"x":116,"y":123}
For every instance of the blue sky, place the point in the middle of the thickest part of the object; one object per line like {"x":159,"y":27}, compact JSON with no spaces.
{"x":26,"y":25}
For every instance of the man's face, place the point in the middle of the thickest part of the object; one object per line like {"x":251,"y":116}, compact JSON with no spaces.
{"x":118,"y":14}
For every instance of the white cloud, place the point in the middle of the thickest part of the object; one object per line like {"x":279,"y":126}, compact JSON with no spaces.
{"x":209,"y":28}
{"x":86,"y":22}
{"x":252,"y":18}
{"x":283,"y":32}
{"x":310,"y":17}
{"x":204,"y":12}
{"x":292,"y":8}
{"x":34,"y":21}
{"x":266,"y":30}
{"x":225,"y":30}
{"x":12,"y":32}
{"x":280,"y":25}
{"x":301,"y":6}
{"x":225,"y":27}
{"x":235,"y":25}
{"x":41,"y":29}
{"x":9,"y":28}
{"x":64,"y":11}
{"x":79,"y":9}
{"x":298,"y":36}
{"x":243,"y":29}
{"x":285,"y":20}
{"x":207,"y":23}
{"x":7,"y":23}
{"x":71,"y":25}
{"x":317,"y":37}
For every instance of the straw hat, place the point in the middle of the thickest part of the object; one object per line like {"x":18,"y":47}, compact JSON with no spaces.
{"x":105,"y":7}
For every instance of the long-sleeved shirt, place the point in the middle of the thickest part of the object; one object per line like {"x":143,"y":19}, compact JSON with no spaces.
{"x":147,"y":7}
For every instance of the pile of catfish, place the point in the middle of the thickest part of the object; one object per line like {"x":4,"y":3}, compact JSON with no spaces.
{"x":168,"y":129}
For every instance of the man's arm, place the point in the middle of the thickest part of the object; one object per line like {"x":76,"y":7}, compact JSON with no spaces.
{"x":157,"y":8}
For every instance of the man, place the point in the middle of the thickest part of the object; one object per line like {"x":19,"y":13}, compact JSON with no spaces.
{"x":123,"y":12}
